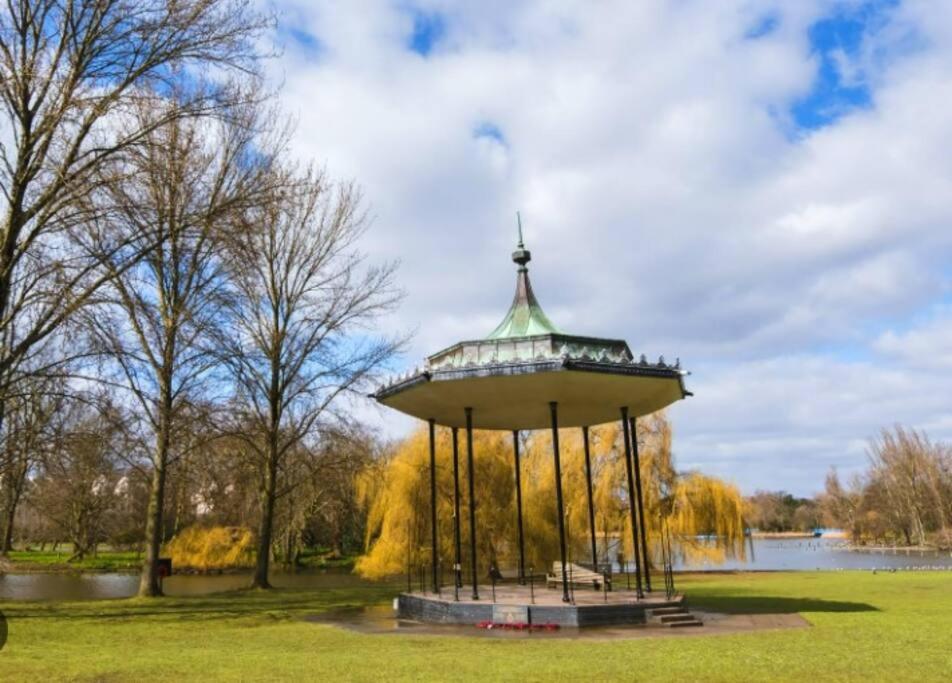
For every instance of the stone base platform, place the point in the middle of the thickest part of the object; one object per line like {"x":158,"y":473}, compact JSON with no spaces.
{"x":516,"y":604}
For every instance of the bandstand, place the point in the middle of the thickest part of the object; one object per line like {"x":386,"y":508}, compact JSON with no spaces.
{"x":528,"y":375}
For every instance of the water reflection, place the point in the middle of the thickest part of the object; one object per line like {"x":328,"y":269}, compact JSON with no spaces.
{"x":41,"y":586}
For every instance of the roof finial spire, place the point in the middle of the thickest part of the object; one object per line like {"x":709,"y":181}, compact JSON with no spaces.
{"x":521,"y":255}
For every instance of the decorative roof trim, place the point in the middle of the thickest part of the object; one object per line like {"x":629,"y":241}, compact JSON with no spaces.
{"x":556,"y":337}
{"x":409,"y":381}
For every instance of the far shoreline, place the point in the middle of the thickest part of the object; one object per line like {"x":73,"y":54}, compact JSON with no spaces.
{"x":797,"y":534}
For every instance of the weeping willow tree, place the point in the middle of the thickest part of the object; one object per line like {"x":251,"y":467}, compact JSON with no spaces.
{"x":703,"y":514}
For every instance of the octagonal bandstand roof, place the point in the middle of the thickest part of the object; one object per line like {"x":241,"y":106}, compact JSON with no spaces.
{"x":510,"y":377}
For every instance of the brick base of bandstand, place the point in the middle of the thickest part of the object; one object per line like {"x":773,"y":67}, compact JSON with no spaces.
{"x":515,"y":604}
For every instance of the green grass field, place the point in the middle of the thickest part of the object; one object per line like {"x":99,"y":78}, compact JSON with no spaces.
{"x":891,"y":627}
{"x":45,"y":561}
{"x":109,"y":560}
{"x":320,"y":558}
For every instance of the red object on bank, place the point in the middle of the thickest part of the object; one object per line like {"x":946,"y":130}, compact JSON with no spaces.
{"x":516,"y":626}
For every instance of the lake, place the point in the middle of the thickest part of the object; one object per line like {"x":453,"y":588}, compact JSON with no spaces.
{"x":798,"y":554}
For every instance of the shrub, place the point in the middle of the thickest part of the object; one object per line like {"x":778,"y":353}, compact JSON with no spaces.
{"x":210,"y":548}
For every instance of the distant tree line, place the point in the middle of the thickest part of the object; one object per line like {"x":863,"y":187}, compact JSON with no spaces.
{"x":183,"y":308}
{"x":779,"y":511}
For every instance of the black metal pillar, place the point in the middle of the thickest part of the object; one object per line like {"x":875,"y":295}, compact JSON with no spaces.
{"x":554,"y":407}
{"x":434,"y":547}
{"x":641,"y":505}
{"x":667,"y":542}
{"x":591,"y":503}
{"x":472,"y":502}
{"x":632,"y":502}
{"x":522,"y":548}
{"x":457,"y":559}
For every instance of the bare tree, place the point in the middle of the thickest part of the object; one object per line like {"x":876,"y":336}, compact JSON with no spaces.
{"x":76,"y":481}
{"x":905,"y":496}
{"x":71,"y":71}
{"x":840,"y":505}
{"x":184,"y":186}
{"x":26,"y":437}
{"x":323,"y":508}
{"x":908,"y":467}
{"x":301,"y":320}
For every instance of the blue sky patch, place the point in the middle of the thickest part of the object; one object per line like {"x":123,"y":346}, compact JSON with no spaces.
{"x":763,"y":27}
{"x":490,"y":131}
{"x":836,"y":40}
{"x":304,"y":38}
{"x":428,"y":28}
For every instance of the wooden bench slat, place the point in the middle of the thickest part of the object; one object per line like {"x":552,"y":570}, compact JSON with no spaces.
{"x":576,"y":575}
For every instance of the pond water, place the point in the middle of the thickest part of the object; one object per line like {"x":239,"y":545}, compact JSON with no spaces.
{"x":48,"y":586}
{"x":767,"y":554}
{"x":824,"y":553}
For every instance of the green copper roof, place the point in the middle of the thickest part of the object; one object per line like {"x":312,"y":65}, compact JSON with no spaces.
{"x":525,"y":317}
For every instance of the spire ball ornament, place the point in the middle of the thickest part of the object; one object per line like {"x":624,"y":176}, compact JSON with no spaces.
{"x":521,"y":255}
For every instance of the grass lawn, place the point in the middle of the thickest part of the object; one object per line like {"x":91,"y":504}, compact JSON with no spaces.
{"x":108,"y":560}
{"x":866,"y":627}
{"x":45,"y":561}
{"x":322,"y":558}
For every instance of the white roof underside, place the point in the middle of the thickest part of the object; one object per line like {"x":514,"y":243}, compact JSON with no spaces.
{"x":520,"y":400}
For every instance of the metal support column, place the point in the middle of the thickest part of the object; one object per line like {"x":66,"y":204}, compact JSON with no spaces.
{"x":522,"y":550}
{"x":632,"y":502}
{"x":591,"y":503}
{"x":558,"y":498}
{"x":472,"y":502}
{"x":458,"y":557}
{"x":434,"y":547}
{"x":641,"y":505}
{"x":672,"y":591}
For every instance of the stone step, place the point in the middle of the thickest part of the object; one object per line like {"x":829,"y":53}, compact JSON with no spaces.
{"x":674,"y":618}
{"x":658,"y":611}
{"x":681,"y":624}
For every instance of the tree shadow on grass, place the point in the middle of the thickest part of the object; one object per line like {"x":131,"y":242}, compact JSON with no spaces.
{"x":747,"y":604}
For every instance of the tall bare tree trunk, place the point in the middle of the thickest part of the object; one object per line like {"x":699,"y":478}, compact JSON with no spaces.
{"x":268,"y":490}
{"x":149,"y":585}
{"x":6,"y":543}
{"x":149,"y":581}
{"x":7,"y":535}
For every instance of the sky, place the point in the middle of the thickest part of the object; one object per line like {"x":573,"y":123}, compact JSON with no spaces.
{"x":761,"y":189}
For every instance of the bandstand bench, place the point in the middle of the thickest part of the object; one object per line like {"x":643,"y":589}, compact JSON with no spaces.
{"x":578,"y":576}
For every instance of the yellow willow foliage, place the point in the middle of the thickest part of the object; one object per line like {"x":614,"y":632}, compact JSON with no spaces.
{"x":398,"y":521}
{"x":397,"y":495}
{"x":209,"y":548}
{"x":707,"y":518}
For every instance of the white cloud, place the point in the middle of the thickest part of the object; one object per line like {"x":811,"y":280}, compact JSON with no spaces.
{"x":667,"y":198}
{"x":927,"y":345}
{"x":783,"y":422}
